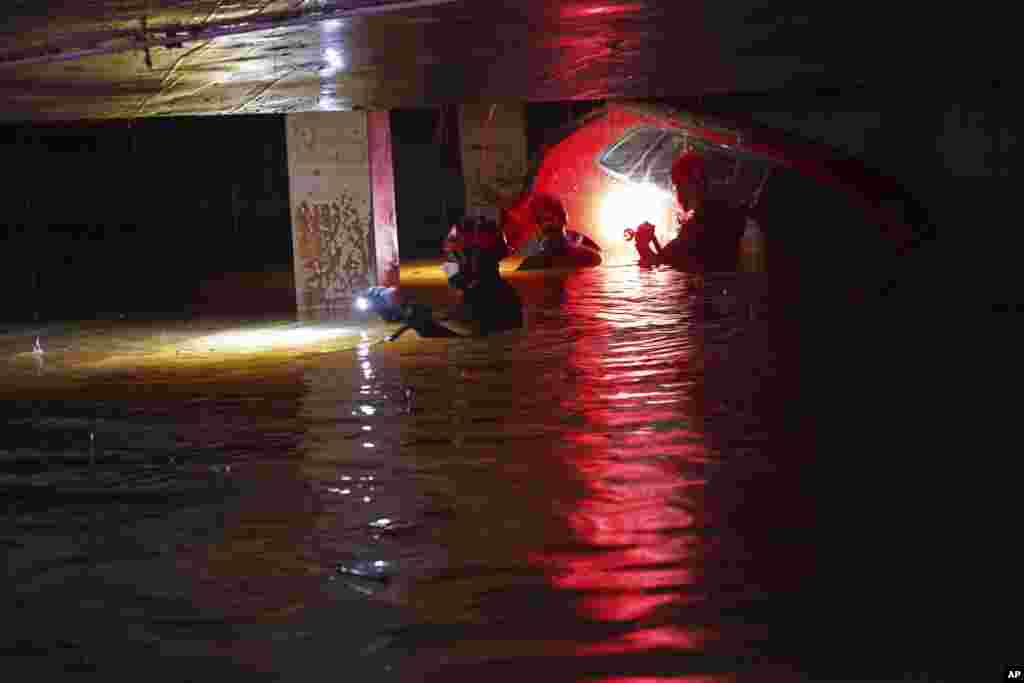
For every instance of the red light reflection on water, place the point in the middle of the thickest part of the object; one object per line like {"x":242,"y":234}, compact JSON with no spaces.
{"x":600,"y":9}
{"x":636,"y":549}
{"x":629,"y":607}
{"x":663,"y":637}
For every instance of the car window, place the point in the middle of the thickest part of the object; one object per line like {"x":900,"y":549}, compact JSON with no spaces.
{"x":627,"y":157}
{"x":659,"y":167}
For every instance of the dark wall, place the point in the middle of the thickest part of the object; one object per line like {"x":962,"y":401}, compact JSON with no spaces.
{"x":133,"y":218}
{"x":429,"y":187}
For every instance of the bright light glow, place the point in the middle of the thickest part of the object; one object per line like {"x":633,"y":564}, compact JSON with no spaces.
{"x":254,"y":340}
{"x":627,"y":205}
{"x":246,"y":68}
{"x":368,"y":410}
{"x":362,"y":304}
{"x":330,"y":102}
{"x":333,"y":58}
{"x":331,"y":25}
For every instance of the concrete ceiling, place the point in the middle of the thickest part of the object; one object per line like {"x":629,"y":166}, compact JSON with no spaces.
{"x":97,"y":59}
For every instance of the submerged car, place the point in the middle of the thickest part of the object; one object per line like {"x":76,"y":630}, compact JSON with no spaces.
{"x":612,"y":171}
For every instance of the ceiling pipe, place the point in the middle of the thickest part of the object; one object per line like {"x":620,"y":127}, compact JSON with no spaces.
{"x":125,"y":41}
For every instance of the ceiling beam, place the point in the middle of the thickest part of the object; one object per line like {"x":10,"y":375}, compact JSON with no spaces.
{"x":112,"y":42}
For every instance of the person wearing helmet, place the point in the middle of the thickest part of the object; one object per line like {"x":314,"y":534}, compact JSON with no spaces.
{"x":551,"y":219}
{"x":689,"y":176}
{"x":711,"y":228}
{"x":543,"y":216}
{"x":486,"y":303}
{"x":473,"y":251}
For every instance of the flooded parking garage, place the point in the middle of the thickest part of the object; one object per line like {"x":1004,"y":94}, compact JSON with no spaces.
{"x":669,"y":474}
{"x":617,"y":492}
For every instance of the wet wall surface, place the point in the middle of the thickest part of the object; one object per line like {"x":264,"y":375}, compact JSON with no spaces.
{"x":664,"y":476}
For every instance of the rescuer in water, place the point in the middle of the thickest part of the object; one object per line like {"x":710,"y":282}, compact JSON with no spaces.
{"x":551,"y":218}
{"x":711,"y":229}
{"x":643,"y":237}
{"x":557,"y":246}
{"x":486,"y":303}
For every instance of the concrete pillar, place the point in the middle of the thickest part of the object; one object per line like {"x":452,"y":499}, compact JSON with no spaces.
{"x":494,"y":161}
{"x":385,"y":220}
{"x":341,"y":194}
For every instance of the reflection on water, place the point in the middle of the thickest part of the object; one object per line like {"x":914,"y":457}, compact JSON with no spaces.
{"x":595,"y":497}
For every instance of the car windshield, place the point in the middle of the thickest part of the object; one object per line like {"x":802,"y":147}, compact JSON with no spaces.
{"x":646,"y":155}
{"x":629,"y":157}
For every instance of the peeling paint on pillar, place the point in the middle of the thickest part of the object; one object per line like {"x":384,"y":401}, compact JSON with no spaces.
{"x":494,"y":163}
{"x":330,"y":199}
{"x":385,"y":224}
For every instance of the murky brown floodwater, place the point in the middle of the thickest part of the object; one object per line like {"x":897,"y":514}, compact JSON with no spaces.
{"x":606,"y":495}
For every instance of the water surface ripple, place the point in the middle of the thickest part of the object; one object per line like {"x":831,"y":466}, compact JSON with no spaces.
{"x":601,"y":496}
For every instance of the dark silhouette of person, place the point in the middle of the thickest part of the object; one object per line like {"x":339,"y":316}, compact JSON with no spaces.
{"x":486,"y":303}
{"x":643,"y":239}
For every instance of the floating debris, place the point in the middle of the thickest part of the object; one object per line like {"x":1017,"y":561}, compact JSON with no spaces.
{"x":388,"y":525}
{"x":374,"y":570}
